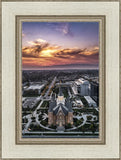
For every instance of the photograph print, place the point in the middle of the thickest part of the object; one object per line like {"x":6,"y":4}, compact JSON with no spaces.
{"x":60,"y":79}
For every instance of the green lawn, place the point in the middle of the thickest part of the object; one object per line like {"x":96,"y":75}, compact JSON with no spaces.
{"x":45,"y":104}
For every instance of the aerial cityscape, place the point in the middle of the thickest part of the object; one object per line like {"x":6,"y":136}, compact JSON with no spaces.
{"x":60,"y":80}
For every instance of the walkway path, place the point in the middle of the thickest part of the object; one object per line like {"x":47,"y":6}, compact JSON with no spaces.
{"x":84,"y":116}
{"x":50,"y":86}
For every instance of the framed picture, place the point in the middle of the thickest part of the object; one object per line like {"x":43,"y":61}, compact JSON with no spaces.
{"x":60,"y":80}
{"x":60,"y":84}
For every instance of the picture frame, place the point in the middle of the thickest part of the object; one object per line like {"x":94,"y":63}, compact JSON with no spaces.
{"x":19,"y":20}
{"x":15,"y":147}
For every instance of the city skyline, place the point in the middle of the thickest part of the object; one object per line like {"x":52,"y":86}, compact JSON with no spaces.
{"x":60,"y":45}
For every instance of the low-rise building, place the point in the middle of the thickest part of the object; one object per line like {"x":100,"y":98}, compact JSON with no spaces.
{"x":79,"y":103}
{"x":90,"y":101}
{"x":33,"y":89}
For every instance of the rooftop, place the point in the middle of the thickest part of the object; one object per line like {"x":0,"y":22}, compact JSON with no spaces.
{"x":35,"y":86}
{"x":79,"y":101}
{"x":89,"y":99}
{"x":81,"y":81}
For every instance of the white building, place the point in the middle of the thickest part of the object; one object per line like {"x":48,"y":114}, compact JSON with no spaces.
{"x":82,"y":87}
{"x":79,"y":103}
{"x":34,"y":87}
{"x":90,"y":101}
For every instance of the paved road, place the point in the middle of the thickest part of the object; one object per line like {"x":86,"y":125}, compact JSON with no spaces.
{"x":84,"y":121}
{"x":50,"y":86}
{"x":69,"y":93}
{"x":36,"y":117}
{"x":38,"y":107}
{"x":39,"y":123}
{"x":29,"y":118}
{"x":84,"y":116}
{"x":25,"y":130}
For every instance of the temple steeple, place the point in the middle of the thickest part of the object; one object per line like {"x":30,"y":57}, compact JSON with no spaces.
{"x":60,"y":98}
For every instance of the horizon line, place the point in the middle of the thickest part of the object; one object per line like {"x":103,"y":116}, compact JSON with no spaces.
{"x":62,"y":69}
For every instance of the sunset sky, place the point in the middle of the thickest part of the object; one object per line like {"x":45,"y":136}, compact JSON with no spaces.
{"x":60,"y":45}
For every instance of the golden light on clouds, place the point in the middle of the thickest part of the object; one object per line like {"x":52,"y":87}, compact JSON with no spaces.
{"x":48,"y":52}
{"x":42,"y":53}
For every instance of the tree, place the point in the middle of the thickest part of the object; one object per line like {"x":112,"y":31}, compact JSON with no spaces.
{"x":93,"y":127}
{"x":68,"y":125}
{"x":53,"y":126}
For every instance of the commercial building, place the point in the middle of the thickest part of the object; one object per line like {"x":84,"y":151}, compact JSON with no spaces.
{"x":90,"y":101}
{"x":94,"y":89}
{"x":82,"y":87}
{"x":33,"y":89}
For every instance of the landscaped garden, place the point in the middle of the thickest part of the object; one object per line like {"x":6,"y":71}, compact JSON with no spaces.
{"x":45,"y":104}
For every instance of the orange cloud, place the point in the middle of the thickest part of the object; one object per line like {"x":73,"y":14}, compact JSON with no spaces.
{"x":41,"y":53}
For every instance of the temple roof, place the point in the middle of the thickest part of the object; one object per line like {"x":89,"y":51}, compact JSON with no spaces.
{"x":55,"y":108}
{"x":62,"y":108}
{"x":68,"y":104}
{"x":52,"y":104}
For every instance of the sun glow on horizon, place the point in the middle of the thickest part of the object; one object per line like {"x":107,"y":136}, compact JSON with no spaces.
{"x":48,"y":52}
{"x":54,"y":44}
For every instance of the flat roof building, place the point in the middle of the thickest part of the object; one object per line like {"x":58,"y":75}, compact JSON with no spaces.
{"x":33,"y":89}
{"x":90,"y":101}
{"x":79,"y":103}
{"x":35,"y":86}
